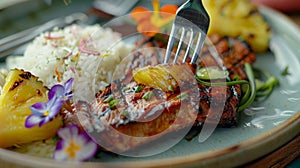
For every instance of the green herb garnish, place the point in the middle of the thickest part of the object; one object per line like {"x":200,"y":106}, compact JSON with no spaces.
{"x":124,"y":113}
{"x":250,"y":94}
{"x":183,"y":96}
{"x":285,"y":72}
{"x":259,"y":85}
{"x":109,"y":98}
{"x":265,"y":84}
{"x":208,"y":73}
{"x":113,"y":103}
{"x":139,"y":89}
{"x":147,"y":95}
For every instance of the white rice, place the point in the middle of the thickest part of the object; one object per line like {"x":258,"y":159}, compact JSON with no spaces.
{"x":45,"y":58}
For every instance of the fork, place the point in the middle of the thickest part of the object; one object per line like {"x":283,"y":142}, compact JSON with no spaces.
{"x":191,"y":20}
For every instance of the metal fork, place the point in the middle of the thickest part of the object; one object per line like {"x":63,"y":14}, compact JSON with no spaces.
{"x":191,"y":20}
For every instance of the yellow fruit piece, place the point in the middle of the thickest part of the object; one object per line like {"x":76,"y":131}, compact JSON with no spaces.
{"x":239,"y":18}
{"x":163,"y":76}
{"x":20,"y":91}
{"x":155,"y":77}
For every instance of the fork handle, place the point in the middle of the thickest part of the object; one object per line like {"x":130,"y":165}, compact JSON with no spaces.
{"x":198,"y":6}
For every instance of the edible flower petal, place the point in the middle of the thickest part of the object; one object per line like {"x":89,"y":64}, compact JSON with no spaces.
{"x":56,"y":91}
{"x":151,"y":23}
{"x":63,"y":92}
{"x":74,"y":145}
{"x":68,"y":93}
{"x":42,"y":112}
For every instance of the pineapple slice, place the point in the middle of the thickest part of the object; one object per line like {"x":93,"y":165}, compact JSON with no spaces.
{"x":155,"y":77}
{"x":20,"y":91}
{"x":239,"y":18}
{"x":163,"y":76}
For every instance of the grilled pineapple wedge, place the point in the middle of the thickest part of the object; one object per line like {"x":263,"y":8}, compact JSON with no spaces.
{"x":20,"y":91}
{"x":239,"y":18}
{"x":163,"y":76}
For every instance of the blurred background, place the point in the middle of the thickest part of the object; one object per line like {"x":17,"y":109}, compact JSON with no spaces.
{"x":18,"y":15}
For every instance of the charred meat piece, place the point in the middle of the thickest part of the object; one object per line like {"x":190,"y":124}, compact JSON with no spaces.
{"x":139,"y":110}
{"x":233,"y":52}
{"x":216,"y":99}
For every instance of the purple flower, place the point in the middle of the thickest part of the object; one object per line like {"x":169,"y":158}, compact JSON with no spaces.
{"x":42,"y":112}
{"x":62,"y":92}
{"x":74,"y":145}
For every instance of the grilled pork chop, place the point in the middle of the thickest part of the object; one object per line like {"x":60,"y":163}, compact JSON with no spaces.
{"x":138,"y":110}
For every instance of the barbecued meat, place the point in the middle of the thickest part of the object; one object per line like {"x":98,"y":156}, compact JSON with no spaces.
{"x":218,"y":99}
{"x":141,"y":111}
{"x":142,"y":114}
{"x":138,"y":110}
{"x":233,"y":52}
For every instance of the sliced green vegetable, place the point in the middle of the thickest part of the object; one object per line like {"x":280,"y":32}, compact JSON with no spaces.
{"x":147,"y":95}
{"x":285,"y":72}
{"x":183,"y":96}
{"x":124,"y":113}
{"x":209,"y":73}
{"x":108,"y":99}
{"x":265,"y":84}
{"x":251,"y":89}
{"x":113,"y":103}
{"x":139,"y":89}
{"x":221,"y":83}
{"x":259,"y":86}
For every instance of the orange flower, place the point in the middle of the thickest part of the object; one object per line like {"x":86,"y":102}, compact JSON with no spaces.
{"x":150,"y":22}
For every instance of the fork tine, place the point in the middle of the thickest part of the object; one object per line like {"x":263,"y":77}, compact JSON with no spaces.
{"x":191,"y":18}
{"x":189,"y":47}
{"x":170,"y":43}
{"x":199,"y":45}
{"x":183,"y":33}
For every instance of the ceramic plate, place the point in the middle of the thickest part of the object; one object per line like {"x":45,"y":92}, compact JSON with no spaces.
{"x":267,"y":126}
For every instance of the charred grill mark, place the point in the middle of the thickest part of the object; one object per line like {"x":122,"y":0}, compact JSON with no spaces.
{"x":234,"y":53}
{"x":253,"y":12}
{"x":16,"y":84}
{"x":38,"y":91}
{"x":211,"y":97}
{"x":103,"y":93}
{"x":25,"y":75}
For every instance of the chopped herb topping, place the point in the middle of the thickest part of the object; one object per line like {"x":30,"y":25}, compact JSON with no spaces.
{"x":113,"y":103}
{"x":170,"y":88}
{"x":183,"y":96}
{"x":124,"y":113}
{"x":147,"y":95}
{"x":208,"y":73}
{"x":285,"y":72}
{"x":108,"y":99}
{"x":139,"y":89}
